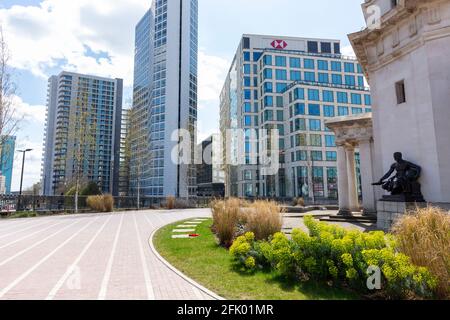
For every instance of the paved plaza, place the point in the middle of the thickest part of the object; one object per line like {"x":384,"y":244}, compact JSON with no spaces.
{"x":96,"y":256}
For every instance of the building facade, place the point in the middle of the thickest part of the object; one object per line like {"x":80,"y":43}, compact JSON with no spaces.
{"x":83,"y":128}
{"x":210,"y":175}
{"x":291,"y":85}
{"x":7,"y":150}
{"x":405,"y":58}
{"x":165,"y":99}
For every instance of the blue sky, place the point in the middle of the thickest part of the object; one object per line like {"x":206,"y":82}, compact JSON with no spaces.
{"x":96,"y":36}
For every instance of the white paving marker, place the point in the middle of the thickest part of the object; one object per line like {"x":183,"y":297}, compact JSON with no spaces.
{"x":181,"y":236}
{"x":183,"y":230}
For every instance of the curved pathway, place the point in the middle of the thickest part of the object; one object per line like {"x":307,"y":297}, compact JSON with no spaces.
{"x":90,"y":257}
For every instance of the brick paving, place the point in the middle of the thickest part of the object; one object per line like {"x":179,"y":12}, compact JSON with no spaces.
{"x":90,"y":257}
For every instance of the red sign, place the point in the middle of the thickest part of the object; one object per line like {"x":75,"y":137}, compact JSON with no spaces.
{"x":279,"y":44}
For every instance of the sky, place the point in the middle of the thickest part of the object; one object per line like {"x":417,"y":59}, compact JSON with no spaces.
{"x":96,"y":37}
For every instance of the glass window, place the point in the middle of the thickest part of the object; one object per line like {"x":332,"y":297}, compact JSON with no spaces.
{"x":350,"y":80}
{"x":247,"y":94}
{"x":268,"y":115}
{"x":361,"y":81}
{"x":299,"y":109}
{"x":325,"y":47}
{"x":296,"y":76}
{"x":280,"y":61}
{"x":247,"y":82}
{"x":247,"y":107}
{"x":280,"y":74}
{"x":309,"y":64}
{"x":342,"y":111}
{"x":336,"y":66}
{"x":357,"y":110}
{"x":328,"y":111}
{"x":314,"y":110}
{"x":248,"y":120}
{"x":310,"y":76}
{"x":313,"y":95}
{"x":328,"y":96}
{"x":281,"y":87}
{"x":268,"y":101}
{"x":342,"y":97}
{"x":280,"y":115}
{"x":301,"y":155}
{"x":280,"y":102}
{"x":247,"y":69}
{"x":315,"y":125}
{"x":300,"y":140}
{"x":295,"y":63}
{"x":256,"y":56}
{"x":299,"y":94}
{"x":349,"y":67}
{"x":330,"y":141}
{"x":316,"y":140}
{"x":246,"y":56}
{"x":368,"y":110}
{"x":356,"y":98}
{"x":331,"y":156}
{"x":322,"y":65}
{"x":323,"y":78}
{"x":300,"y":124}
{"x":360,"y":69}
{"x":316,"y":155}
{"x":267,"y":74}
{"x":336,"y":78}
{"x":268,"y":87}
{"x":267,"y":60}
{"x":313,"y":46}
{"x":367,"y":100}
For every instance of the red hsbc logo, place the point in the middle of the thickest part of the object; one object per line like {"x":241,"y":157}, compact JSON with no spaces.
{"x":279,"y":44}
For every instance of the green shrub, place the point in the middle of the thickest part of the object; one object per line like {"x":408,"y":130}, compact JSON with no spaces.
{"x":332,"y":253}
{"x":91,"y":189}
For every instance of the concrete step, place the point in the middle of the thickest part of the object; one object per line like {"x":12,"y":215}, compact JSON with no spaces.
{"x":350,"y":219}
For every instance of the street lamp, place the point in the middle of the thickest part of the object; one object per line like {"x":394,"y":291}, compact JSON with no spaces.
{"x":21,"y":177}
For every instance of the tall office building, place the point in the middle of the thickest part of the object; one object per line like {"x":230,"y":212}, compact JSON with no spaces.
{"x":165,"y":99}
{"x":293,"y":85}
{"x":7,"y":150}
{"x":83,"y":129}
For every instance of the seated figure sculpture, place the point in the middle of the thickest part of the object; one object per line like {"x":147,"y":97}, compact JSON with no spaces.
{"x":404,"y":186}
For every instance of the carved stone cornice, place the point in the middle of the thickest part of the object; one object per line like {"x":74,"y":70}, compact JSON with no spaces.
{"x":351,"y":130}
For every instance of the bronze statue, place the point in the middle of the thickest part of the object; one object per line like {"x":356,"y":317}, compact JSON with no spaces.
{"x":404,"y":186}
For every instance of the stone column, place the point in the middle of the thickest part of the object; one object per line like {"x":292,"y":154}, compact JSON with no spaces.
{"x":367,"y":177}
{"x":352,"y":183}
{"x":344,"y":203}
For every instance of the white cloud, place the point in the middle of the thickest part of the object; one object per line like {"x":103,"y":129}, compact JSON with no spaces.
{"x":29,"y":114}
{"x":348,"y":51}
{"x":58,"y":32}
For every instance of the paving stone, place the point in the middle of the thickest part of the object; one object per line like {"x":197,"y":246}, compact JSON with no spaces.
{"x":183,"y":230}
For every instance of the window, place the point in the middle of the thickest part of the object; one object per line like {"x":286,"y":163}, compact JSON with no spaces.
{"x":267,"y":74}
{"x":368,"y":110}
{"x":246,"y":43}
{"x":356,"y":98}
{"x":316,"y":155}
{"x":247,"y":69}
{"x":359,"y":68}
{"x":309,"y":64}
{"x":328,"y":96}
{"x":336,"y":66}
{"x":315,"y":125}
{"x":394,"y":3}
{"x":342,"y":97}
{"x":336,"y":78}
{"x":246,"y":56}
{"x":360,"y":81}
{"x":295,"y":63}
{"x":331,"y":156}
{"x":357,"y":110}
{"x":248,"y":120}
{"x":280,"y":61}
{"x":313,"y":47}
{"x":296,"y":76}
{"x":313,"y":95}
{"x":367,"y":100}
{"x":337,"y":48}
{"x":328,"y":111}
{"x":314,"y":110}
{"x":300,"y":140}
{"x":322,"y":65}
{"x":280,"y":102}
{"x":301,"y":155}
{"x":299,"y":125}
{"x":267,"y":60}
{"x":342,"y":111}
{"x":349,"y":67}
{"x":247,"y":107}
{"x":247,"y":82}
{"x":323,"y":77}
{"x":247,"y":94}
{"x":350,"y":80}
{"x":268,"y":115}
{"x":299,"y":94}
{"x":400,"y":91}
{"x":281,"y":87}
{"x":280,"y":74}
{"x":310,"y":76}
{"x":268,"y":101}
{"x":280,"y":115}
{"x":316,"y":140}
{"x":256,"y":56}
{"x":299,"y":109}
{"x":330,"y":141}
{"x":268,"y":87}
{"x":325,"y":47}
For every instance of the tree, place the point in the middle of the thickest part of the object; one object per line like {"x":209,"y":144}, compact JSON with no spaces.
{"x":9,"y":119}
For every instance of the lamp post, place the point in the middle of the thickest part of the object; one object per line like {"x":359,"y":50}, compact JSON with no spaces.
{"x":19,"y":204}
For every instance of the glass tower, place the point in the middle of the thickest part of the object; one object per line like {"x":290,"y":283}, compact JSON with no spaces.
{"x":165,"y":99}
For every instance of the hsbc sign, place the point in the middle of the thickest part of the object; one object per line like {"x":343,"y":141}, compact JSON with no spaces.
{"x":279,"y":44}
